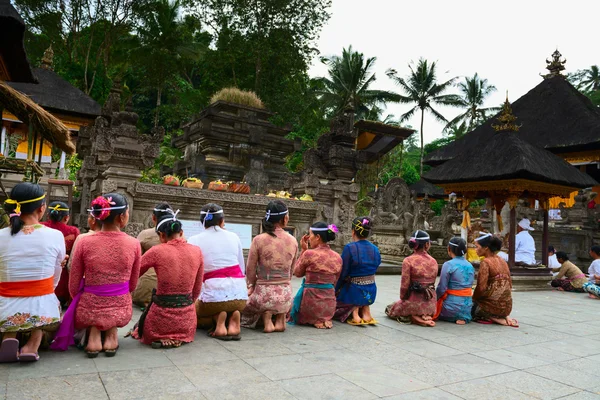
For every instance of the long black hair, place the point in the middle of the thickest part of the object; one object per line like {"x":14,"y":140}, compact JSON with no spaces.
{"x":319,"y":229}
{"x":211,"y":214}
{"x":362,"y":226}
{"x":490,"y":241}
{"x":57,"y":210}
{"x":20,"y":202}
{"x":276,"y":212}
{"x":160,"y":210}
{"x":106,"y":207}
{"x":457,"y":246}
{"x":169,"y":224}
{"x":418,"y":240}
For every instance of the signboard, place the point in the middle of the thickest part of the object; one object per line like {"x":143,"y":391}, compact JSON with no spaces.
{"x":244,"y":231}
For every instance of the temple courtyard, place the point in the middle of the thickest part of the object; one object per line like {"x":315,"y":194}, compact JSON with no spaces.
{"x":554,"y":354}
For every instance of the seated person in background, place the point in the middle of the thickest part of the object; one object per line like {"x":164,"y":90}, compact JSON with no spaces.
{"x":593,"y":286}
{"x":569,"y":278}
{"x":552,"y":260}
{"x":524,"y":244}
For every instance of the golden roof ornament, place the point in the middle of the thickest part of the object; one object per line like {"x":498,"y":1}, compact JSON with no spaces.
{"x":556,"y":65}
{"x":48,"y":59}
{"x":506,"y":119}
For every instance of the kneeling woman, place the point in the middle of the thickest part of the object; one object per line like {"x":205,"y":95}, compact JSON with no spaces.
{"x":417,"y":288}
{"x":492,"y":299}
{"x":269,"y":270}
{"x":570,"y":278}
{"x":104,"y":272}
{"x":31,"y":257}
{"x":320,"y":266}
{"x":170,"y":318}
{"x":224,"y":293}
{"x":454,"y":290}
{"x":356,"y":289}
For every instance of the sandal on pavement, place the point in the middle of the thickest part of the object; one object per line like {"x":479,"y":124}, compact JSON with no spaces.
{"x":29,"y":357}
{"x":9,"y":350}
{"x":111,"y":352}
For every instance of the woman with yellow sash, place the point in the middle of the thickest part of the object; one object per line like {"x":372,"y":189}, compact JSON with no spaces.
{"x":454,"y":290}
{"x":31,"y":257}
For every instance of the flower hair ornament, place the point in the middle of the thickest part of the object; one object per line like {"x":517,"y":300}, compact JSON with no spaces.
{"x":209,"y":215}
{"x":360,"y":226}
{"x":17,"y":210}
{"x":106,"y":205}
{"x":330,"y":228}
{"x":172,"y":219}
{"x":269,"y":214}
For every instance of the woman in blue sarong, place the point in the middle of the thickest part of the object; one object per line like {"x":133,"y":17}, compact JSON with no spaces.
{"x":355,"y":288}
{"x":454,"y":290}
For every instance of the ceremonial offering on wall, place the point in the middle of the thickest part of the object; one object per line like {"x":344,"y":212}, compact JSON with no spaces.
{"x":170,"y":180}
{"x":306,"y":197}
{"x":280,"y":195}
{"x":239,"y":187}
{"x":218,"y":186}
{"x":193,"y":183}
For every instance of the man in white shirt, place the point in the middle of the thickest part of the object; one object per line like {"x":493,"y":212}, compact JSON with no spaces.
{"x":593,"y":286}
{"x":524,"y":244}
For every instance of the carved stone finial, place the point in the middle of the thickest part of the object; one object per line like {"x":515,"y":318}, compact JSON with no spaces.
{"x":556,"y":65}
{"x":48,"y":59}
{"x":506,"y":119}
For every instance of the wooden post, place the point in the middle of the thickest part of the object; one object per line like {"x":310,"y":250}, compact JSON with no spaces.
{"x":545,"y":203}
{"x":513,"y":233}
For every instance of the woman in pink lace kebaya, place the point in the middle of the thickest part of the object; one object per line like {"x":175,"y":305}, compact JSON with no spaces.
{"x":104,"y":272}
{"x":269,"y":270}
{"x":170,"y":318}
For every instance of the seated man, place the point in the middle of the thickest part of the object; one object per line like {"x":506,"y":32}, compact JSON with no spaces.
{"x":524,"y":244}
{"x":593,"y":286}
{"x":569,"y":278}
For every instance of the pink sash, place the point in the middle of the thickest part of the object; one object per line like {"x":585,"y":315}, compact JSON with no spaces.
{"x":227,"y":272}
{"x":66,"y":330}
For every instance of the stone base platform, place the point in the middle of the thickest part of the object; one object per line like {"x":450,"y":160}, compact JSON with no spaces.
{"x":522,"y":283}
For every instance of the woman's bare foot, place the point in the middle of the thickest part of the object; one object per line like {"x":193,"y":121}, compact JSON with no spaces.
{"x":320,"y":325}
{"x":234,"y":327}
{"x":460,"y":322}
{"x":111,"y":339}
{"x":280,"y":323}
{"x":560,"y":289}
{"x":94,"y":340}
{"x":328,"y":324}
{"x":355,"y":317}
{"x":170,"y":343}
{"x":220,"y":328}
{"x":593,"y":296}
{"x":420,"y":320}
{"x":506,"y":321}
{"x":33,"y":344}
{"x":366,"y":313}
{"x":268,"y":322}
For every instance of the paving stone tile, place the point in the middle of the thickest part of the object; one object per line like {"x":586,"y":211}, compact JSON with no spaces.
{"x":132,"y":358}
{"x":474,"y":365}
{"x":308,"y":344}
{"x":288,"y":367}
{"x":429,"y":349}
{"x":577,"y":329}
{"x":340,"y":360}
{"x":583,"y":395}
{"x":427,"y":394}
{"x":484,"y":389}
{"x":222,"y":374}
{"x":324,"y":387}
{"x":427,"y":370}
{"x":199,"y":353}
{"x":256,"y":348}
{"x":72,"y":362}
{"x":258,"y":391}
{"x":145,"y":383}
{"x":511,"y":359}
{"x":74,"y":387}
{"x":383,"y":381}
{"x":533,"y":385}
{"x":577,"y":346}
{"x":464,"y":344}
{"x":571,"y":377}
{"x":390,"y":335}
{"x":542,"y":351}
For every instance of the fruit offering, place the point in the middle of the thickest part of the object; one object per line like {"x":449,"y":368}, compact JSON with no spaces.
{"x":193,"y":183}
{"x":171,"y":180}
{"x":218,"y":186}
{"x":239,"y":187}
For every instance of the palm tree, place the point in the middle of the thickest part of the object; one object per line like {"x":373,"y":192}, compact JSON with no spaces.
{"x":422,"y":89}
{"x":590,"y":79}
{"x":473,"y":94}
{"x":349,"y":82}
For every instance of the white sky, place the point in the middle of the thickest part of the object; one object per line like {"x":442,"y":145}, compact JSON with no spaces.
{"x":506,"y":41}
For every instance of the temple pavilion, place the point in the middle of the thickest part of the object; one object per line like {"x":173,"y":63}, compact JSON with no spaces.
{"x":553,"y":116}
{"x":69,"y":105}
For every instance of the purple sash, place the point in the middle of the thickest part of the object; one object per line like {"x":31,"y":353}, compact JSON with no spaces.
{"x":66,"y":330}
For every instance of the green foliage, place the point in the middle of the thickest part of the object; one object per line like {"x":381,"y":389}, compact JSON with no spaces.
{"x":437,"y":206}
{"x":73,"y":164}
{"x":587,"y":81}
{"x":237,"y":96}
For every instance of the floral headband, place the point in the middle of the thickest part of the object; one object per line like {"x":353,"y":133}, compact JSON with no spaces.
{"x":106,"y":205}
{"x":209,"y":216}
{"x":330,"y":228}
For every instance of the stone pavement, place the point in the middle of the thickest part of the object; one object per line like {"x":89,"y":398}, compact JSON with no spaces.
{"x":554,"y":354}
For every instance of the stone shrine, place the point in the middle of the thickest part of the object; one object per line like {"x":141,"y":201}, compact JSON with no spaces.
{"x":233,"y":142}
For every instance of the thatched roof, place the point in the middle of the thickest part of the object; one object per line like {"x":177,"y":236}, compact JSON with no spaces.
{"x":12,"y":50}
{"x":507,"y":156}
{"x":422,"y":188}
{"x":238,"y":96}
{"x":41,"y":120}
{"x":553,"y":115}
{"x":54,"y":93}
{"x":382,"y":138}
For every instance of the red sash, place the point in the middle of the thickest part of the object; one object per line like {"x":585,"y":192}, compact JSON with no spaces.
{"x":27,"y":288}
{"x":466,"y":292}
{"x":227,"y":272}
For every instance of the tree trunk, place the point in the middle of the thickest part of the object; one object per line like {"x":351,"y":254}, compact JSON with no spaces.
{"x":422,"y":144}
{"x":257,"y":76}
{"x":157,"y":107}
